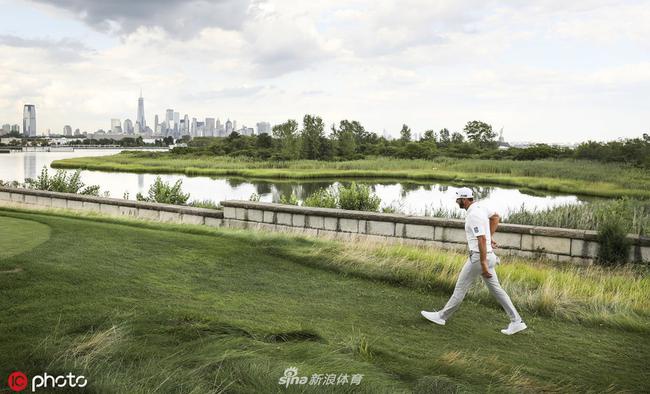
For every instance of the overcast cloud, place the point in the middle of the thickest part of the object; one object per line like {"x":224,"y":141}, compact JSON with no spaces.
{"x":545,"y":71}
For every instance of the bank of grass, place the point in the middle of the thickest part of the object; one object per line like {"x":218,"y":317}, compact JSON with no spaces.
{"x":144,"y":307}
{"x":563,"y":176}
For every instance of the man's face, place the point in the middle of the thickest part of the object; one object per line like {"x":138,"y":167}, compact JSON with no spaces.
{"x":461,"y":203}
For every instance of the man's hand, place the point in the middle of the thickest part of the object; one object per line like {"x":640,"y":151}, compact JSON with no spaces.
{"x":486,"y":274}
{"x":494,"y":243}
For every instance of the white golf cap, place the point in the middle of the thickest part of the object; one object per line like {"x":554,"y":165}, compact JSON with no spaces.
{"x":464,"y":192}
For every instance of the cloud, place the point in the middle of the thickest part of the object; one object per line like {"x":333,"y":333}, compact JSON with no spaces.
{"x":63,"y":50}
{"x":180,"y":18}
{"x":538,"y":67}
{"x":234,"y":92}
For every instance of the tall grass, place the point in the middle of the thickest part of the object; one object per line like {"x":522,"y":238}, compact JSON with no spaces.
{"x":633,"y":214}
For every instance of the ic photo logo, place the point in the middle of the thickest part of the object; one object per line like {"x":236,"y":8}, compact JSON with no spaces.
{"x":18,"y":381}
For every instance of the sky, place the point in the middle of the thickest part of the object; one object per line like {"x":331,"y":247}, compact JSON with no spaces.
{"x":544,"y":71}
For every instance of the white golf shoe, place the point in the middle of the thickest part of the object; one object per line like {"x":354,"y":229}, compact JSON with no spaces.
{"x":434,"y":317}
{"x":514,"y":327}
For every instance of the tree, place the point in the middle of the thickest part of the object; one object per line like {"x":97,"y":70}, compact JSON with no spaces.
{"x":361,"y":136}
{"x":429,"y":136}
{"x":457,"y":138}
{"x":345,"y":139}
{"x":312,"y":132}
{"x":428,"y":142}
{"x":288,"y":136}
{"x":480,"y":133}
{"x":405,"y":134}
{"x":264,"y":141}
{"x":445,"y":139}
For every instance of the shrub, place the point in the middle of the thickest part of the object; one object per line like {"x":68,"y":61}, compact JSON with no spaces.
{"x":290,"y":200}
{"x":323,"y":198}
{"x":354,"y":197}
{"x":358,"y":198}
{"x":162,"y":192}
{"x":62,"y":182}
{"x":614,"y":245}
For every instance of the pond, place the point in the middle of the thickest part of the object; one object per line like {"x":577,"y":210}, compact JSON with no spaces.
{"x":416,"y":198}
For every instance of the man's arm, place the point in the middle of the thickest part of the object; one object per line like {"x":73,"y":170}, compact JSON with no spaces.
{"x":482,"y":248}
{"x":494,"y":223}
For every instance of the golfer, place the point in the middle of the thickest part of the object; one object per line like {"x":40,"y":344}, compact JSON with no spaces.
{"x":480,"y":225}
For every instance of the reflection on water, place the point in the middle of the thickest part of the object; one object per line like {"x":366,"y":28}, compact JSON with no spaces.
{"x":411,"y":197}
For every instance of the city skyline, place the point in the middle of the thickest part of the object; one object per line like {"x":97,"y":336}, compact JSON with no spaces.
{"x":549,"y":72}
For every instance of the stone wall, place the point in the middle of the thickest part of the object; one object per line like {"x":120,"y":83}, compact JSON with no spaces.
{"x":25,"y":198}
{"x":578,"y":246}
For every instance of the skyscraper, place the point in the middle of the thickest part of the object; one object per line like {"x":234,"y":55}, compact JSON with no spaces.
{"x":228,"y":127}
{"x":29,"y":120}
{"x":128,"y":126}
{"x":140,"y":119}
{"x":209,"y":127}
{"x":169,"y":122}
{"x":116,"y":126}
{"x":186,"y":127}
{"x":263,"y":128}
{"x":219,"y":129}
{"x":67,"y":130}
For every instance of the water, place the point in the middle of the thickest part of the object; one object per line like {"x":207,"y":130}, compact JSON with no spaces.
{"x":408,"y":197}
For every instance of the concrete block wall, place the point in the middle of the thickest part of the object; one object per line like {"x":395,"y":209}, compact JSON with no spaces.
{"x":26,"y":198}
{"x":578,"y":246}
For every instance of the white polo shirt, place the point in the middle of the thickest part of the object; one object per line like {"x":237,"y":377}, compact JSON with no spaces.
{"x":477,"y":222}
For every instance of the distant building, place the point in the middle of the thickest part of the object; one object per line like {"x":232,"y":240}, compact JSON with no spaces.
{"x":176,"y":119}
{"x":67,"y":130}
{"x":185,"y":130}
{"x":155,"y":123}
{"x":193,"y":128}
{"x":128,"y":126}
{"x":246,"y":130}
{"x":15,"y":128}
{"x":219,"y":128}
{"x":29,"y":120}
{"x":6,"y":128}
{"x":168,"y":128}
{"x":209,"y":127}
{"x":263,"y":128}
{"x":229,"y":128}
{"x":77,"y":132}
{"x":140,"y":122}
{"x":200,"y":129}
{"x":116,"y":126}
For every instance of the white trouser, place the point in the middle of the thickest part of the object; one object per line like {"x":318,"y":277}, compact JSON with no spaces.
{"x":471,"y":270}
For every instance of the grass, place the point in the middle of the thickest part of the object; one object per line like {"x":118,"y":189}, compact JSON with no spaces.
{"x":562,"y":176}
{"x":145,"y":307}
{"x":633,"y":214}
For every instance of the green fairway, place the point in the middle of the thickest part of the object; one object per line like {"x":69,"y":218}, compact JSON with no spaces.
{"x":562,"y":176}
{"x":18,"y":235}
{"x":143,"y":307}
